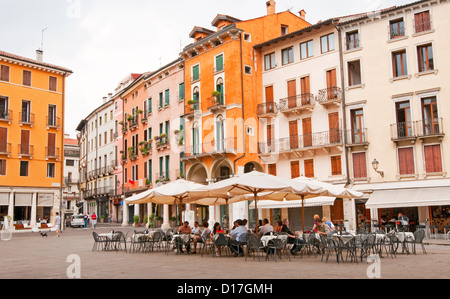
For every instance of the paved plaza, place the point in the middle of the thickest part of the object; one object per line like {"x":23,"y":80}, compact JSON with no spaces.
{"x":28,"y":255}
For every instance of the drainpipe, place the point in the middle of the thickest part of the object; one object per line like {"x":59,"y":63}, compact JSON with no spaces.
{"x":344,"y":114}
{"x":62,"y":216}
{"x":242,"y":108}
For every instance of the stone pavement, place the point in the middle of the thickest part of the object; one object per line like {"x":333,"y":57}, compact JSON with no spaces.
{"x":28,"y":255}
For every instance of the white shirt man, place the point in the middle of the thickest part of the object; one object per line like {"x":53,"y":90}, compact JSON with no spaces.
{"x":266,"y":228}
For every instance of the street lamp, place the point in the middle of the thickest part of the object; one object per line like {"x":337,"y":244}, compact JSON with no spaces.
{"x":375,"y":165}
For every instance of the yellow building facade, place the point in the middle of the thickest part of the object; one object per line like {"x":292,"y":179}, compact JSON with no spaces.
{"x":32,"y":95}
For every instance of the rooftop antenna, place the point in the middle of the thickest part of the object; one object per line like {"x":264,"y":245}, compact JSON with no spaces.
{"x":40,"y":51}
{"x":42,"y":39}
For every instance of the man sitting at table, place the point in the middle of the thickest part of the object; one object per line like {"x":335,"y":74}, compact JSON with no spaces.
{"x":265,"y":228}
{"x":185,"y":229}
{"x":201,"y":238}
{"x":236,"y":237}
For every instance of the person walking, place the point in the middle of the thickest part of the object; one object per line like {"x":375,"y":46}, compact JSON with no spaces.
{"x":93,"y":219}
{"x":57,"y":224}
{"x":85,"y":217}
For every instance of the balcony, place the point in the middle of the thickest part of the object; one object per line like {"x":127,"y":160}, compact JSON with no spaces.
{"x":430,"y":128}
{"x":27,"y":119}
{"x":297,"y":103}
{"x":26,"y":150}
{"x":133,"y":122}
{"x":53,"y":123}
{"x":267,"y":110}
{"x":211,"y":149}
{"x":330,"y":96}
{"x":51,"y":153}
{"x":299,"y":143}
{"x":162,"y":142}
{"x":162,"y":177}
{"x":133,"y":153}
{"x":5,"y":149}
{"x":402,"y":131}
{"x":192,"y":110}
{"x":216,"y":103}
{"x":6,"y":116}
{"x":356,"y":137}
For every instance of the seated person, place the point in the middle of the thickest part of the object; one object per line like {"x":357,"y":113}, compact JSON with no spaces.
{"x":185,"y":229}
{"x":320,"y":227}
{"x":265,"y":228}
{"x":292,"y":239}
{"x":329,"y":226}
{"x":196,"y":230}
{"x":279,"y":226}
{"x":201,"y":238}
{"x":237,"y":237}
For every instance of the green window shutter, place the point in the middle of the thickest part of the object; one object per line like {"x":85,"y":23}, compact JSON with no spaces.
{"x":149,"y":105}
{"x":150,"y":173}
{"x":161,"y":100}
{"x":167,"y":96}
{"x":219,"y":63}
{"x":181,"y":92}
{"x":167,"y":166}
{"x":195,"y":73}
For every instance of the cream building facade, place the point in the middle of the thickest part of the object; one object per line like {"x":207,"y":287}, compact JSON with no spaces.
{"x":396,"y":91}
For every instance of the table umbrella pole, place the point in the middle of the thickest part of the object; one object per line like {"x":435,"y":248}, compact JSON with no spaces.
{"x":256,"y":215}
{"x":303,"y":213}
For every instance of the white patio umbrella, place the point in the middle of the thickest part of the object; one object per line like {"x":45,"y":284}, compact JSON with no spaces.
{"x":250,"y":183}
{"x":173,"y":193}
{"x":314,"y":189}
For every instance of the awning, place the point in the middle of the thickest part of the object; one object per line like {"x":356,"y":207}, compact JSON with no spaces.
{"x":412,"y":197}
{"x":310,"y":202}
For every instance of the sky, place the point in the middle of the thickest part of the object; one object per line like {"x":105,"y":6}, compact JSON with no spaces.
{"x":102,"y":41}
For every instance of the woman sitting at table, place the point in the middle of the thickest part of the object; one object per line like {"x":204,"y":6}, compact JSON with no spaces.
{"x":217,"y":229}
{"x":206,"y":232}
{"x":279,"y":226}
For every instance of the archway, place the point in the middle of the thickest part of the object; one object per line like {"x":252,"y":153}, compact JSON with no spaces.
{"x":221,"y":170}
{"x":197,"y":173}
{"x":251,"y":166}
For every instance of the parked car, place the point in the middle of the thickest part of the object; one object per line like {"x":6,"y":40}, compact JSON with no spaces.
{"x":77,"y":221}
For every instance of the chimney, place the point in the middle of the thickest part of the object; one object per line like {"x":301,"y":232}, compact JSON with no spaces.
{"x":39,"y":55}
{"x":271,"y":7}
{"x":302,"y":14}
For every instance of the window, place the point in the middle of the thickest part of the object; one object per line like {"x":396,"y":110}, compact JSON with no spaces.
{"x":53,"y":83}
{"x":352,"y":40}
{"x":181,"y":91}
{"x":161,"y":100}
{"x":269,"y":61}
{"x":309,"y":168}
{"x":425,"y":56}
{"x":2,"y":167}
{"x":295,"y":169}
{"x":23,"y":168}
{"x":248,"y":69}
{"x":195,"y":73}
{"x":25,"y":116}
{"x":4,"y":74}
{"x":359,"y":165}
{"x":354,"y":73}
{"x":399,"y":63}
{"x":430,"y":116}
{"x":284,"y":29}
{"x":4,"y":112}
{"x":327,"y":43}
{"x":422,"y":21}
{"x":51,"y":115}
{"x":219,"y":63}
{"x":70,"y":162}
{"x":272,"y":169}
{"x":433,"y":161}
{"x":50,"y":170}
{"x":247,"y":37}
{"x":27,"y":78}
{"x":167,"y":97}
{"x":404,"y":120}
{"x":336,"y":167}
{"x":396,"y":28}
{"x":358,"y":130}
{"x":306,"y":49}
{"x":406,"y":160}
{"x":287,"y":55}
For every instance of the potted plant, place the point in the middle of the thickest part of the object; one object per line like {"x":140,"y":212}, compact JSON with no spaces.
{"x":147,"y":182}
{"x":130,"y":117}
{"x":173,"y":221}
{"x":158,"y":221}
{"x":136,"y":220}
{"x":152,"y":220}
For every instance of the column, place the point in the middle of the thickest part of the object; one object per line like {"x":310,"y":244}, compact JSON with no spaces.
{"x":34,"y":210}
{"x":166,"y":223}
{"x":125,"y":213}
{"x":11,"y":205}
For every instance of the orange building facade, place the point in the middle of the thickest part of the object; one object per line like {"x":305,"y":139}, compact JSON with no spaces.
{"x":32,"y":95}
{"x":223,"y":75}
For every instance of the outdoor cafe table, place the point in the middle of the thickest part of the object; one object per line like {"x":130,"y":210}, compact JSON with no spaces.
{"x":266,"y":238}
{"x":402,"y":238}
